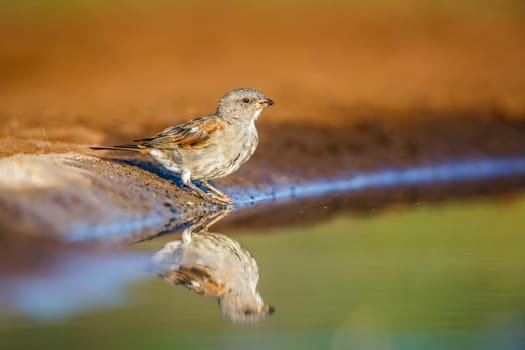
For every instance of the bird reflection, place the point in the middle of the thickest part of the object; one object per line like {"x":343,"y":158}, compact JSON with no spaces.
{"x":216,"y":265}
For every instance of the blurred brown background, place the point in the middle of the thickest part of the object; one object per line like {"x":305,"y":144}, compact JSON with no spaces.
{"x":82,"y":71}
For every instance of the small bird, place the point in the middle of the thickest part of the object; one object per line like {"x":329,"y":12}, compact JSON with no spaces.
{"x":214,"y":265}
{"x":208,"y":147}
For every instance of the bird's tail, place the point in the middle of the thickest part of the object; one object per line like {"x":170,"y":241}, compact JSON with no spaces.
{"x":131,"y":147}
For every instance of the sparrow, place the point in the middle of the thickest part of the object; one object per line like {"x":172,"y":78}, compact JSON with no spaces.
{"x":208,"y":147}
{"x":215,"y":265}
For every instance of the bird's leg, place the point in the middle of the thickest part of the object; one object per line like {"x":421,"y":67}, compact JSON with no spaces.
{"x":202,"y":223}
{"x":215,"y":190}
{"x":222,"y":197}
{"x":186,"y":235}
{"x":216,"y":216}
{"x":186,"y":179}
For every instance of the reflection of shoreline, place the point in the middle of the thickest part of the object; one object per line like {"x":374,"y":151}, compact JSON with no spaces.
{"x":214,"y":265}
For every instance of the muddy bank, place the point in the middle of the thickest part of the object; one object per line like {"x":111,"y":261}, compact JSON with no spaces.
{"x":78,"y":197}
{"x":81,"y":194}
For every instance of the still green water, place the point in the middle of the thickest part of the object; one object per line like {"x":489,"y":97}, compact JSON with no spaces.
{"x":440,"y":276}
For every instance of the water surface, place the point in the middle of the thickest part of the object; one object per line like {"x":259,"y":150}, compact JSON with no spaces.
{"x":432,"y":276}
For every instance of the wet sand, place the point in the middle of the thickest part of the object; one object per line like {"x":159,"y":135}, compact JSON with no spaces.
{"x":83,"y":194}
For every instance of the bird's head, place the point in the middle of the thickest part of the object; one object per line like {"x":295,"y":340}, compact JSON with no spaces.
{"x":244,"y":307}
{"x":243,"y":104}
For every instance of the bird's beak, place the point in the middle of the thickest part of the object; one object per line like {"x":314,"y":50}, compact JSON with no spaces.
{"x":267,"y":309}
{"x":265,"y":102}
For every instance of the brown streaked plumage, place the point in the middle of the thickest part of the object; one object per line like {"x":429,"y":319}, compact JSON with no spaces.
{"x":208,"y":147}
{"x":195,"y":133}
{"x":196,"y":278}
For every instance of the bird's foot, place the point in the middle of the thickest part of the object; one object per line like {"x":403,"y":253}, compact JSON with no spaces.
{"x":215,"y":194}
{"x":213,"y":198}
{"x":221,"y":200}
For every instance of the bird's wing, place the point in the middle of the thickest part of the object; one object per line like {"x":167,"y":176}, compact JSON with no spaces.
{"x":194,"y":133}
{"x":197,"y":278}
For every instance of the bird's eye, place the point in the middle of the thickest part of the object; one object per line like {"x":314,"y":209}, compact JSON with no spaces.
{"x":246,"y":100}
{"x":247,"y":312}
